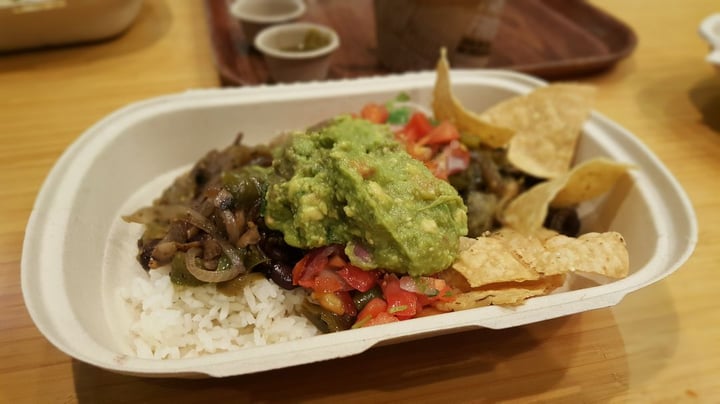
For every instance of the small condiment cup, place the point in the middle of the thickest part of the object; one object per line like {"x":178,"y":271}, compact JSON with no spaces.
{"x":256,"y":15}
{"x":284,"y":56}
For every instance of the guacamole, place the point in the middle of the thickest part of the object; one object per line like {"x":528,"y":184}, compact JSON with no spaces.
{"x":352,"y":183}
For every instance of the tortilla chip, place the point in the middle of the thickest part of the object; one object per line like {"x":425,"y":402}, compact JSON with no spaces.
{"x":447,"y":107}
{"x":510,"y":256}
{"x":490,"y":260}
{"x":454,"y":279}
{"x":600,"y":253}
{"x":588,"y":180}
{"x":528,"y":211}
{"x":503,"y":294}
{"x":547,"y":124}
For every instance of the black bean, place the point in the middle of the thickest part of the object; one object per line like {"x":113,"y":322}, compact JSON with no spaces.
{"x":564,"y":221}
{"x":275,"y":248}
{"x":281,"y":274}
{"x":145,"y":251}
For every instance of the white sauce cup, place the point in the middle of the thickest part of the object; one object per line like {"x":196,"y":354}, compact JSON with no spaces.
{"x":256,"y":15}
{"x":296,"y":65}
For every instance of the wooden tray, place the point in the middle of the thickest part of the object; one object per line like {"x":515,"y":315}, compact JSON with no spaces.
{"x":553,"y":39}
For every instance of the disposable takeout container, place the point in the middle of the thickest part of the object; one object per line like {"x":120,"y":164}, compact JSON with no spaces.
{"x":77,"y":252}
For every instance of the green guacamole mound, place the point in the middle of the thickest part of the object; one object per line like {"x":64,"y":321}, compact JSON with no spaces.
{"x":352,"y":183}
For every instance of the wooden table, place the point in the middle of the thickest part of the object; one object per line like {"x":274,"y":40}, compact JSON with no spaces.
{"x":660,"y":344}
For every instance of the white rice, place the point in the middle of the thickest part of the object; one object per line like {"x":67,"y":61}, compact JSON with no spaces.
{"x":172,"y":322}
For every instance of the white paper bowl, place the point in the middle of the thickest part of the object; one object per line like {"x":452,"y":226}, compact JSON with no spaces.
{"x":77,"y":251}
{"x":710,"y":31}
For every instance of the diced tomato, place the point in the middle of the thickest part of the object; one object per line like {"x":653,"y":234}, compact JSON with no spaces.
{"x":336,"y":261}
{"x":371,"y":309}
{"x":309,"y":270}
{"x":419,"y":152}
{"x":305,"y":271}
{"x":401,"y":303}
{"x":357,"y":278}
{"x":347,"y":302}
{"x":423,"y":300}
{"x":374,"y":313}
{"x":445,"y":132}
{"x":328,"y":281}
{"x":382,"y":318}
{"x":417,"y":127}
{"x":374,"y":113}
{"x":300,"y":269}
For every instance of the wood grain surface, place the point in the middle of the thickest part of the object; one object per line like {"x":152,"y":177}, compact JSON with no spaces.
{"x":660,"y":344}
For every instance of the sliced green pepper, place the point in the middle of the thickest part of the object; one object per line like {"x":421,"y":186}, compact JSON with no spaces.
{"x":247,"y":185}
{"x":362,"y":298}
{"x":325,"y":320}
{"x":179,"y":274}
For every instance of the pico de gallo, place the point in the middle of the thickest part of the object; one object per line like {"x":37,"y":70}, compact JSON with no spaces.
{"x":350,"y":297}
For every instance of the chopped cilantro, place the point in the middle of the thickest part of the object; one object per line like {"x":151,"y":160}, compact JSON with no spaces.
{"x":398,"y":116}
{"x":396,"y":309}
